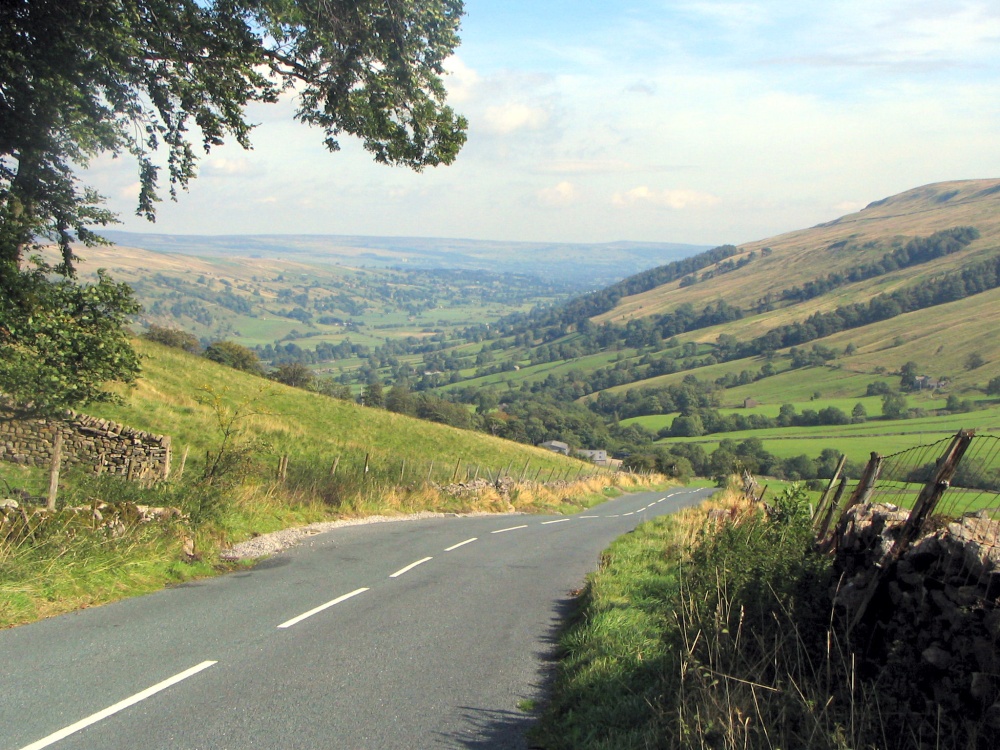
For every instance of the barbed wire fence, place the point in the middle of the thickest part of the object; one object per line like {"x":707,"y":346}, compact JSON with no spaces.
{"x":950,"y":486}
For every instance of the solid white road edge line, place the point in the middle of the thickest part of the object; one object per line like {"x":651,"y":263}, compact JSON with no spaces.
{"x":320,"y":608}
{"x":411,"y":566}
{"x":121,"y":705}
{"x":560,"y":520}
{"x":461,"y":544}
{"x":512,"y":528}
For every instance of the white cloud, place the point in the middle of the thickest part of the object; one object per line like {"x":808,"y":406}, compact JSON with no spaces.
{"x":849,"y":207}
{"x":461,"y":81}
{"x":674,"y":199}
{"x":226,"y":167}
{"x":563,"y":194}
{"x":584,"y":166}
{"x":130,"y":192}
{"x":508,"y":118}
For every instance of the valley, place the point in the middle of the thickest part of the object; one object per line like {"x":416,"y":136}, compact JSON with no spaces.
{"x":812,"y":319}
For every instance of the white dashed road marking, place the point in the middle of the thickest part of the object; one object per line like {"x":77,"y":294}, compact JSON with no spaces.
{"x":409,"y":567}
{"x":461,"y":544}
{"x":120,"y":706}
{"x":320,"y":608}
{"x":512,"y":528}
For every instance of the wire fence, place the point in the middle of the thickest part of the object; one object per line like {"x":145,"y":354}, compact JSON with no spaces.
{"x":945,"y":494}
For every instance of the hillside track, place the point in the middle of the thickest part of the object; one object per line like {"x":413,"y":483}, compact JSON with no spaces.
{"x":427,"y":634}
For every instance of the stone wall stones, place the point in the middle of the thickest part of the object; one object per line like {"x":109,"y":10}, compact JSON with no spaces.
{"x":931,"y":628}
{"x":106,"y":446}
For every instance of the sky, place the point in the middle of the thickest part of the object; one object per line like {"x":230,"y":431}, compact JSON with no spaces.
{"x":644,"y":120}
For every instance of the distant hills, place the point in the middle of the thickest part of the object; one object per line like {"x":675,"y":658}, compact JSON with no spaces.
{"x":802,"y":256}
{"x":583,"y":265}
{"x":825,"y":320}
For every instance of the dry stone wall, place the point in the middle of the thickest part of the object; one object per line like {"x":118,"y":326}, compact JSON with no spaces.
{"x":105,"y":446}
{"x":932,"y":624}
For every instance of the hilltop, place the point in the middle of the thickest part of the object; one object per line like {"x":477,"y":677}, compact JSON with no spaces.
{"x":796,"y":258}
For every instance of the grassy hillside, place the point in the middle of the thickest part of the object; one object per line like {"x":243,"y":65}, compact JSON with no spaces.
{"x":170,"y":397}
{"x":801,"y":256}
{"x":384,"y":464}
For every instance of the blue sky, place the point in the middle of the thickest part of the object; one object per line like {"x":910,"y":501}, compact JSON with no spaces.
{"x":703,"y":122}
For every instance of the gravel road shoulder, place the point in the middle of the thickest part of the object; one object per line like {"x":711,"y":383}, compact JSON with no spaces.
{"x":276,"y":541}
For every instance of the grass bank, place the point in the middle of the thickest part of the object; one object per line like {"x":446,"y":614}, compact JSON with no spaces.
{"x":229,"y":430}
{"x":711,"y":631}
{"x":98,"y":547}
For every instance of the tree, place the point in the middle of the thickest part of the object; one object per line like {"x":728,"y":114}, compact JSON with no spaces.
{"x":233,"y":355}
{"x":993,"y":387}
{"x":400,"y":400}
{"x":373,"y":395}
{"x":894,"y":406}
{"x":85,"y":78}
{"x":859,"y":414}
{"x":173,"y":337}
{"x":294,"y":374}
{"x":59,"y":350}
{"x":974,"y":360}
{"x":908,"y":376}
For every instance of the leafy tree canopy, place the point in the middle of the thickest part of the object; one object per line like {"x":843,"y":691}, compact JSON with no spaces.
{"x":133,"y":77}
{"x":157,"y":80}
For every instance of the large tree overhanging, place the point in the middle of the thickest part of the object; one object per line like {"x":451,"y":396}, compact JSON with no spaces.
{"x":79,"y":78}
{"x":83,"y":77}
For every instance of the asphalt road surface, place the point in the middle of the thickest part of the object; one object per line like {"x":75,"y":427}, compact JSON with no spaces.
{"x":409,"y":635}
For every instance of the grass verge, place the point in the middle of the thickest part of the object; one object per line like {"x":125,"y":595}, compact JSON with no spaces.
{"x":97,"y":548}
{"x":711,"y":630}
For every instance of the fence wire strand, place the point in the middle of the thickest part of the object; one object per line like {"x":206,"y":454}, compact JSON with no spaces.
{"x":968,"y":513}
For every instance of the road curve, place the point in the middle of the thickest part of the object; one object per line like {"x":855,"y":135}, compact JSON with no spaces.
{"x":423,"y":634}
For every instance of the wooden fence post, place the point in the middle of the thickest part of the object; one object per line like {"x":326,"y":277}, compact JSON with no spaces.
{"x":927,"y":500}
{"x":365,"y":475}
{"x":430,"y":470}
{"x":184,"y":458}
{"x":54,"y":471}
{"x":831,"y":511}
{"x":524,"y":470}
{"x":336,"y":463}
{"x":476,"y":477}
{"x":931,"y":493}
{"x":821,"y":507}
{"x":867,"y":482}
{"x":402,"y":470}
{"x":283,"y":468}
{"x":454,"y":476}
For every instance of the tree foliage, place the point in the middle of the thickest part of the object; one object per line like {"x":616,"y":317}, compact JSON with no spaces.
{"x":233,"y":355}
{"x":60,"y":341}
{"x":159,"y":80}
{"x":82,"y":78}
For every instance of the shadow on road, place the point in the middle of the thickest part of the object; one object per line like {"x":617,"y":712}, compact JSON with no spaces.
{"x":498,"y":729}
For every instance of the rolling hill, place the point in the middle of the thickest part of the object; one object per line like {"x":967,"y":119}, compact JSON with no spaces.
{"x":795,"y":258}
{"x":583,"y":265}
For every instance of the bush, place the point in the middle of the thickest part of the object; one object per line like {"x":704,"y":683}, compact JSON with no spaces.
{"x":173,"y":337}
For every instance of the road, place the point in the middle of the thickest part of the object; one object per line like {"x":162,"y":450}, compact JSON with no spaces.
{"x":410,"y":635}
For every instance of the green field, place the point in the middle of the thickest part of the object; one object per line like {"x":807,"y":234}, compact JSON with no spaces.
{"x":858,"y":441}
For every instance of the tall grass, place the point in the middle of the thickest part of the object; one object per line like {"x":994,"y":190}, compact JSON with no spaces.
{"x":715,"y":634}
